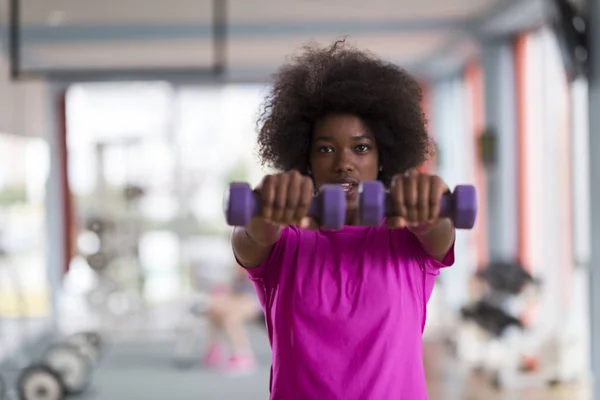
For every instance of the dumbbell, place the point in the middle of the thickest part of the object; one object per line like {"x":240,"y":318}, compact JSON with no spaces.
{"x":490,"y":318}
{"x":89,"y":344}
{"x":40,"y":382}
{"x":241,"y":203}
{"x":73,"y":368}
{"x":375,"y":203}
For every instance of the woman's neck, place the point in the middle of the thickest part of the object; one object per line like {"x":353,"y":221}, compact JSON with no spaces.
{"x":352,"y":217}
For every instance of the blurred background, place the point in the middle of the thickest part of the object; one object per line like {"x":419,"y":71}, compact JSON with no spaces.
{"x":123,"y":122}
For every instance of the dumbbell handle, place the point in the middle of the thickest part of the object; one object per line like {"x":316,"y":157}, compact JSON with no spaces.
{"x":446,"y":205}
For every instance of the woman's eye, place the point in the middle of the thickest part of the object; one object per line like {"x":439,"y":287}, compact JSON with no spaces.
{"x":325,"y":149}
{"x":361,"y":148}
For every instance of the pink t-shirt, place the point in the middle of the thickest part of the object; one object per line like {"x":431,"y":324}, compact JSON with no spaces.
{"x":345,"y":312}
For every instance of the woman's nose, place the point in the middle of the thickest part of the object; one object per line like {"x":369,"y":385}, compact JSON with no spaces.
{"x":345,"y":162}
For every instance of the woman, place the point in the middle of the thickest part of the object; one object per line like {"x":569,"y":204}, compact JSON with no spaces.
{"x":228,"y":313}
{"x":345,"y":310}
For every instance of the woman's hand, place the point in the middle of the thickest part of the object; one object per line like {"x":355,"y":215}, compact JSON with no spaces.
{"x":286,"y":199}
{"x":416,"y":199}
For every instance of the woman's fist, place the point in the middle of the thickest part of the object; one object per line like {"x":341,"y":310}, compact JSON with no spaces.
{"x":416,"y":200}
{"x":286,"y":198}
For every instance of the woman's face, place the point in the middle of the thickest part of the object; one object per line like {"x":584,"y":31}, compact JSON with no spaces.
{"x":344,"y":152}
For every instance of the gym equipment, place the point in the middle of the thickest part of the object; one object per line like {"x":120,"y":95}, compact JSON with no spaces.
{"x":40,"y":382}
{"x":490,"y":318}
{"x":189,"y":330}
{"x":89,"y":345}
{"x":507,"y":277}
{"x":241,"y":203}
{"x":375,"y":203}
{"x":72,"y":367}
{"x":133,"y":192}
{"x":187,"y":341}
{"x":493,"y":337}
{"x":98,"y":261}
{"x":98,"y":225}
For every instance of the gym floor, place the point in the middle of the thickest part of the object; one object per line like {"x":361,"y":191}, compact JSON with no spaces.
{"x":144,"y":369}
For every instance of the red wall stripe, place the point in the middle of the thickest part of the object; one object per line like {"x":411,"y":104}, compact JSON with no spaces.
{"x":475,"y":87}
{"x":567,"y":191}
{"x":67,"y":205}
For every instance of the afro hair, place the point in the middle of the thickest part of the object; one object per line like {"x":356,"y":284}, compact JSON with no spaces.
{"x":341,"y":79}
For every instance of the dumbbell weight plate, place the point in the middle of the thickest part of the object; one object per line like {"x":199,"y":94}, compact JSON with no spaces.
{"x":465,"y":203}
{"x":98,"y":261}
{"x":371,"y":205}
{"x":38,"y":382}
{"x":238,"y":204}
{"x":95,"y":339}
{"x":72,"y":366}
{"x":332,"y":200}
{"x":88,"y":344}
{"x":97,"y":225}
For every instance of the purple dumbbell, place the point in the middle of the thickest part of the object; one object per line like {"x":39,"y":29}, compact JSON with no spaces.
{"x":460,"y":206}
{"x":241,"y":203}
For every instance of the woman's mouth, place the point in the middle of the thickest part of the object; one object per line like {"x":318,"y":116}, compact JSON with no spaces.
{"x":350,"y":189}
{"x":347,"y":186}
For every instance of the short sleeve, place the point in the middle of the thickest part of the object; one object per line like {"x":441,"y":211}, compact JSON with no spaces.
{"x":430,"y":264}
{"x":430,"y":268}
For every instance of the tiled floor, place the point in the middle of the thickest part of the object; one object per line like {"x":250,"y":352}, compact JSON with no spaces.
{"x":145,"y":370}
{"x":141,"y":366}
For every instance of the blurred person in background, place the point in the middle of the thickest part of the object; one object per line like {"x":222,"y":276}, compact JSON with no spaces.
{"x":230,"y":309}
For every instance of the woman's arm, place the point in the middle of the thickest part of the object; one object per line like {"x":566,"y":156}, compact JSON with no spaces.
{"x":252,"y":244}
{"x":285,"y":200}
{"x":417,"y":199}
{"x":438,"y":239}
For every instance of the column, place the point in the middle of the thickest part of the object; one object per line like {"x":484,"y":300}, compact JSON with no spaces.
{"x":594,"y":160}
{"x":56,"y":200}
{"x":455,"y":166}
{"x":500,"y":117}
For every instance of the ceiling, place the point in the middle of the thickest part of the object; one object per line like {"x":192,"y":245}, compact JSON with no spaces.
{"x":114,"y":12}
{"x":428,"y":36}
